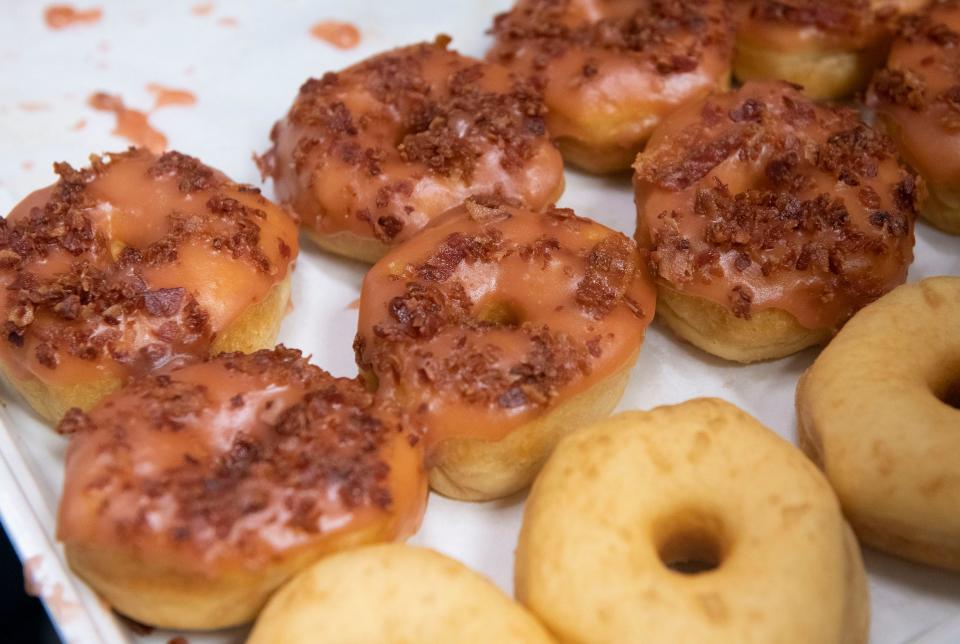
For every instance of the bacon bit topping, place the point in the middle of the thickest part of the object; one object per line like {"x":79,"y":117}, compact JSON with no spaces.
{"x":781,"y":224}
{"x":82,"y":306}
{"x":329,"y":438}
{"x":611,"y":269}
{"x":670,"y":34}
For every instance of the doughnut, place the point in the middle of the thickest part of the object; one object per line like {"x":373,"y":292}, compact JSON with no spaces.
{"x":770,"y":220}
{"x":688,"y":523}
{"x":190,"y":496}
{"x":830,"y":47}
{"x":393,"y":594}
{"x":503,"y":329}
{"x":879,"y":412}
{"x":136,"y":263}
{"x":369,"y":155}
{"x":612,"y":70}
{"x":917,"y":101}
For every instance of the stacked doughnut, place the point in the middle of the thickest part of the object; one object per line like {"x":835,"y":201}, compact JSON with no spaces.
{"x":496,"y":331}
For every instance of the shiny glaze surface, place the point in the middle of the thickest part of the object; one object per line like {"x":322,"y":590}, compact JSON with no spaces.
{"x":136,"y":263}
{"x":762,"y":199}
{"x":232,"y":463}
{"x":493,"y":314}
{"x":379,"y":149}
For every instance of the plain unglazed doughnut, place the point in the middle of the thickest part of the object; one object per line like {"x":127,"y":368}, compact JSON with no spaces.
{"x":393,"y":594}
{"x":771,"y":219}
{"x":503,"y":329}
{"x":190,"y":497}
{"x":136,"y":263}
{"x":917,"y":101}
{"x":612,"y":69}
{"x":880,"y":413}
{"x":829,"y":47}
{"x":688,"y":523}
{"x":367,"y":156}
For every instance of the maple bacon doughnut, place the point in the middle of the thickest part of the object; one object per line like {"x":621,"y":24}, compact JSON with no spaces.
{"x":136,"y":263}
{"x":190,"y":497}
{"x":688,"y":523}
{"x":503,"y":329}
{"x":393,"y":594}
{"x":879,"y":412}
{"x":917,"y":101}
{"x":770,"y":220}
{"x":612,"y":69}
{"x":369,"y":155}
{"x":829,"y":47}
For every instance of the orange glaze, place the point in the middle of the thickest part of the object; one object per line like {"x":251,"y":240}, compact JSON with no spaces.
{"x":337,"y":157}
{"x":512,"y":292}
{"x":918,"y":94}
{"x":126,"y":207}
{"x":845,"y":25}
{"x":142,"y":486}
{"x":132,"y":125}
{"x":593,"y":80}
{"x":342,"y":35}
{"x":867,"y":258}
{"x":61,"y":16}
{"x":164,"y":96}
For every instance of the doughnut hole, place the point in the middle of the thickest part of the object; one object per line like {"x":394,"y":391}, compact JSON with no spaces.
{"x":691,"y":542}
{"x":500,"y":313}
{"x":951,"y":396}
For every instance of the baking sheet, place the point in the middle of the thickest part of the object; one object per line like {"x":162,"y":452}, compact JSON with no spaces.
{"x":244,"y":62}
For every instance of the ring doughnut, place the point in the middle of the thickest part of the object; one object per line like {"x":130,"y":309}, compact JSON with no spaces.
{"x":503,"y":329}
{"x":879,"y":412}
{"x":393,"y":594}
{"x":829,"y":47}
{"x":610,"y":71}
{"x":917,"y":101}
{"x":190,"y":497}
{"x":688,"y":523}
{"x":369,"y":155}
{"x":770,"y":220}
{"x":136,"y":263}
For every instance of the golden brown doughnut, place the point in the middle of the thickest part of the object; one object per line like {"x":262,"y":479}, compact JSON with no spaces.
{"x":369,"y":155}
{"x":830,"y":47}
{"x":190,"y":497}
{"x":917,"y":101}
{"x":688,"y":523}
{"x":612,"y":69}
{"x":135,"y":263}
{"x":393,"y":594}
{"x":503,"y":329}
{"x":770,"y":220}
{"x":879,"y":411}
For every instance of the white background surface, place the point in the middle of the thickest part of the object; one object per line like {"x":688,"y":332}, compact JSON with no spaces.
{"x":245,"y":77}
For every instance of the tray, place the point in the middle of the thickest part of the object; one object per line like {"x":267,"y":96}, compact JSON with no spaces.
{"x":244,"y":62}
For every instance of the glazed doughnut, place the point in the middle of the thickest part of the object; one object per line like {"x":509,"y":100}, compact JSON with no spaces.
{"x":136,"y":263}
{"x":369,"y":155}
{"x":688,"y":523}
{"x":879,"y":412}
{"x":917,"y":101}
{"x":393,"y":594}
{"x":612,"y":69}
{"x":189,"y":497}
{"x":830,"y":47}
{"x":503,"y":329}
{"x":771,"y":220}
